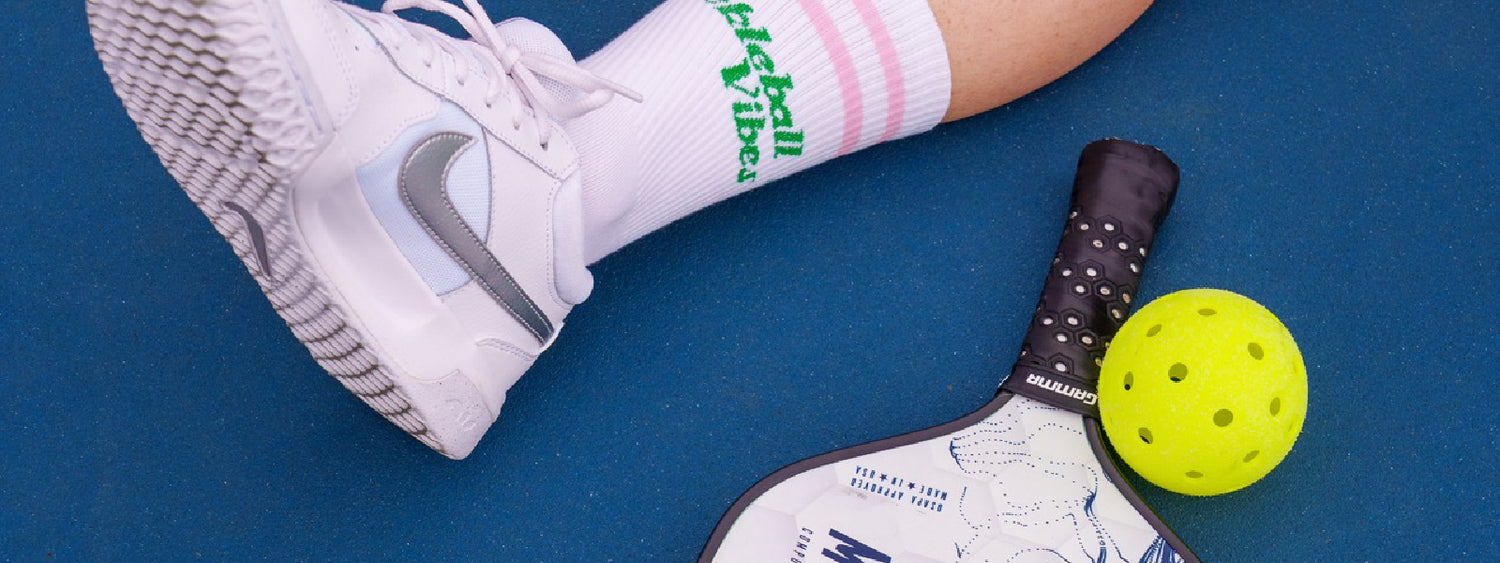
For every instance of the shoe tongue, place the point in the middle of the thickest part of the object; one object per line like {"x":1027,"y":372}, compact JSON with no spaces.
{"x":532,"y":37}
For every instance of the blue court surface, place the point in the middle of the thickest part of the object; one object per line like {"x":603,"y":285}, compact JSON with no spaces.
{"x":1339,"y":165}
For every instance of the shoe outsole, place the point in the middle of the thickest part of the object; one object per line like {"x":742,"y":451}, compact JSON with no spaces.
{"x":211,"y":91}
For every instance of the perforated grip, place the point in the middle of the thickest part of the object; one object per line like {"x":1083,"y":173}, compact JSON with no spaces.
{"x":1121,"y":195}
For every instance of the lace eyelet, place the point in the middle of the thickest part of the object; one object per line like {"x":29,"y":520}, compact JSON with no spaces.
{"x":521,"y":85}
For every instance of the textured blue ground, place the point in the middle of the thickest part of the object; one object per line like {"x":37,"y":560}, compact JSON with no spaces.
{"x":1339,"y":166}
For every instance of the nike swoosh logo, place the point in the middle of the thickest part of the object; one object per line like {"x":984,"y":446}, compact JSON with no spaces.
{"x":423,"y":185}
{"x":257,"y":236}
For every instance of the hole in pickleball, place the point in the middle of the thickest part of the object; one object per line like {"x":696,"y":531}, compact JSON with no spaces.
{"x":1129,"y":380}
{"x":1207,"y":312}
{"x":1256,"y":351}
{"x":1223,"y":417}
{"x":1276,"y":406}
{"x":1153,"y":330}
{"x":1177,"y":372}
{"x":1194,"y":475}
{"x":1251,"y":455}
{"x":1145,"y":434}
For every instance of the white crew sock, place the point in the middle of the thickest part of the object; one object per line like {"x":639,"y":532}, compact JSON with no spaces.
{"x":742,"y":92}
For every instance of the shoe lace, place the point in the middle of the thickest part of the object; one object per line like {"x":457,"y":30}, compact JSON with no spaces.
{"x":520,"y":72}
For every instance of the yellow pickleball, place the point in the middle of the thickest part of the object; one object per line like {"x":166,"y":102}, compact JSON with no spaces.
{"x":1203,"y":392}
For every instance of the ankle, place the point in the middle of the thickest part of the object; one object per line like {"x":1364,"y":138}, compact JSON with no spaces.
{"x":609,"y":164}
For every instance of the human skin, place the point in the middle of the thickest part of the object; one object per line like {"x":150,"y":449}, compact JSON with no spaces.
{"x":1000,"y":50}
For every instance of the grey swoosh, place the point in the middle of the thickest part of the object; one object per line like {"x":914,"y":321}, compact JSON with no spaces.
{"x":423,"y":184}
{"x":257,"y":236}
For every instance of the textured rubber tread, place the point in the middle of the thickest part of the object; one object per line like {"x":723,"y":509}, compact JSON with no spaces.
{"x":211,"y":92}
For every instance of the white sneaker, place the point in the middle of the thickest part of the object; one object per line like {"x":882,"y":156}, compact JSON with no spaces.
{"x":405,"y":199}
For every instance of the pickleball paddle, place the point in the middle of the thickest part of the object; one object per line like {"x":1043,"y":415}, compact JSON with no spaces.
{"x":1025,"y":479}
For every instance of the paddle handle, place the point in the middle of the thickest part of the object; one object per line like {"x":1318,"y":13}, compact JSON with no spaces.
{"x":1121,"y":195}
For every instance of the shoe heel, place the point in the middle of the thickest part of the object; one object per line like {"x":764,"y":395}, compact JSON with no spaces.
{"x":212,"y":93}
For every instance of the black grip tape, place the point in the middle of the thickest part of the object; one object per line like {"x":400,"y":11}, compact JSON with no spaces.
{"x":1121,"y":195}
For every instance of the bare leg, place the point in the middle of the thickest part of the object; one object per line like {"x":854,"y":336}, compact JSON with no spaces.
{"x":1000,"y":50}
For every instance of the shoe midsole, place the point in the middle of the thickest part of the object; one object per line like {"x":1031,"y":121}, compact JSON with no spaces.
{"x":391,"y":303}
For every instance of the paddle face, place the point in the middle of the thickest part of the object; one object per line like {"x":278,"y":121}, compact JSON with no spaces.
{"x":1017,"y":481}
{"x":1024,"y":479}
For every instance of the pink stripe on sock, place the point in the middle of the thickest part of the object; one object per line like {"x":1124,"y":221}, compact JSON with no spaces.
{"x":895,"y":84}
{"x":843,"y":68}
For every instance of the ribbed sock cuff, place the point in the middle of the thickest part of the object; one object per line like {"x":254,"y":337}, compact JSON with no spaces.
{"x":742,"y":92}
